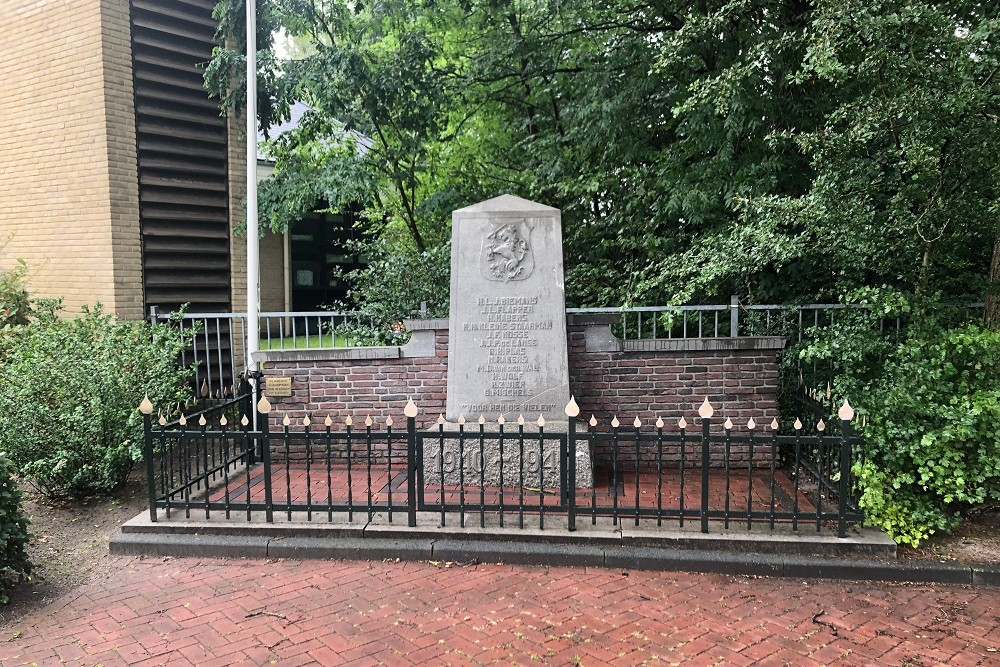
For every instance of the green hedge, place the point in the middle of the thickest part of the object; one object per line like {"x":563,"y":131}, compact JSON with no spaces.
{"x":14,"y":563}
{"x":68,"y":396}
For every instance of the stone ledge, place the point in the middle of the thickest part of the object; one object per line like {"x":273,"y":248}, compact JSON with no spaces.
{"x":330,"y":354}
{"x":424,"y":325}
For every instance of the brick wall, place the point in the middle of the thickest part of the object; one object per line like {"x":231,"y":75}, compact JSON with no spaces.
{"x":68,"y":185}
{"x":739,"y":376}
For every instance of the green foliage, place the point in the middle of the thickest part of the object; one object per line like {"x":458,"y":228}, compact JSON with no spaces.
{"x":15,"y":304}
{"x":394,"y":285}
{"x":932,"y":440}
{"x":68,"y":398}
{"x":14,"y":562}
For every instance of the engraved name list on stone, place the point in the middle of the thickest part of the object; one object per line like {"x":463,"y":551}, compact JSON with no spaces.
{"x":507,"y":344}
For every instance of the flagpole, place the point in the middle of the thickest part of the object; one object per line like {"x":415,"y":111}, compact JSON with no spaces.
{"x":253,"y":237}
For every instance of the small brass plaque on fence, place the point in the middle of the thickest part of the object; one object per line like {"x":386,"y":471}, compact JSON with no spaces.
{"x":278,"y":386}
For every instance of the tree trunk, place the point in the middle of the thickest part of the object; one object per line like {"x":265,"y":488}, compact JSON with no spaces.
{"x":992,"y":314}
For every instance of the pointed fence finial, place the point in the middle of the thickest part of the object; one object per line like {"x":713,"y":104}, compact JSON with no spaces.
{"x":411,"y":409}
{"x":204,"y":388}
{"x":829,"y":391}
{"x":440,"y":419}
{"x":572,"y":409}
{"x":183,"y":420}
{"x":306,"y":421}
{"x":637,"y":423}
{"x":286,"y":421}
{"x":368,"y":421}
{"x":797,"y":425}
{"x":820,"y":426}
{"x":500,"y":420}
{"x":614,"y":422}
{"x":223,"y":421}
{"x":659,"y":422}
{"x":244,"y":421}
{"x":328,"y":422}
{"x":202,"y":421}
{"x":520,"y":420}
{"x":593,"y":420}
{"x":541,"y":421}
{"x":728,"y":424}
{"x":682,"y":423}
{"x":349,"y":421}
{"x":751,"y":424}
{"x":388,"y":421}
{"x":263,"y":405}
{"x":482,"y":420}
{"x":706,"y":410}
{"x":774,"y":424}
{"x":846,"y":412}
{"x":146,"y":406}
{"x":461,"y":419}
{"x":162,"y":421}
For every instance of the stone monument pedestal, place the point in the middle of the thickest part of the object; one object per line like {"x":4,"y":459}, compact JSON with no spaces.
{"x":527,"y":463}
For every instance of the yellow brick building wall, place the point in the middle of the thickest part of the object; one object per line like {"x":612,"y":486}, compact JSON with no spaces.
{"x":68,"y":186}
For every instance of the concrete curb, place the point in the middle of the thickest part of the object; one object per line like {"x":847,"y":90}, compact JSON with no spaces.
{"x":554,"y":554}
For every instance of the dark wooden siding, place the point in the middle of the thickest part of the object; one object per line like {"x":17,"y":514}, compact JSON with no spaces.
{"x":183,"y":169}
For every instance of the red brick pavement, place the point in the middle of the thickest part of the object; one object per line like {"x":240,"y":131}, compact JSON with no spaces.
{"x":181,"y":612}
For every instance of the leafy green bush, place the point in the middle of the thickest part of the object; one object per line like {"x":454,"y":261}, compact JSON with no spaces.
{"x":14,"y":563}
{"x":15,"y":304}
{"x":932,"y":403}
{"x":68,"y":398}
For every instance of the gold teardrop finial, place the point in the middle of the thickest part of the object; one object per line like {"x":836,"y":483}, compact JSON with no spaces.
{"x":440,"y":419}
{"x":263,"y":405}
{"x":846,"y":412}
{"x":204,"y":388}
{"x":388,"y":421}
{"x":520,"y":420}
{"x":349,"y":421}
{"x":774,"y":424}
{"x":637,"y":423}
{"x":202,"y":421}
{"x":182,"y":421}
{"x":146,"y":406}
{"x":411,"y":409}
{"x":797,"y":425}
{"x":368,"y":421}
{"x":500,"y":420}
{"x":705,"y":411}
{"x":541,"y":421}
{"x":728,"y":424}
{"x":162,"y":421}
{"x":593,"y":420}
{"x":682,"y":423}
{"x":614,"y":422}
{"x":572,"y":409}
{"x":306,"y":421}
{"x":245,"y":421}
{"x":829,"y":391}
{"x":482,"y":420}
{"x":820,"y":426}
{"x":659,"y":422}
{"x":223,"y":421}
{"x":751,"y":424}
{"x":328,"y":422}
{"x":461,"y":419}
{"x":286,"y":421}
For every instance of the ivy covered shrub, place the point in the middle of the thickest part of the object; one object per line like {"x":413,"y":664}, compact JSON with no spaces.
{"x":931,"y":398}
{"x":14,"y":563}
{"x":68,"y":396}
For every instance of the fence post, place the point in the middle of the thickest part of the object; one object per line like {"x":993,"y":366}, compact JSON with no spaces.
{"x":569,"y":462}
{"x":410,"y":411}
{"x":146,"y":408}
{"x":154,"y":315}
{"x":846,"y":414}
{"x":705,"y":412}
{"x":734,"y":316}
{"x":263,"y":410}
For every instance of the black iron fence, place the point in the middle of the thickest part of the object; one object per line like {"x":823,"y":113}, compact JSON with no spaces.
{"x":228,"y":459}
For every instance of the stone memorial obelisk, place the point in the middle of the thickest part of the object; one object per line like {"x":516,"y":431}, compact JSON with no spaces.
{"x":507,"y":329}
{"x":507,"y":343}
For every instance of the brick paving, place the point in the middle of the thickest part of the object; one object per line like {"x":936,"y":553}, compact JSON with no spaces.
{"x":208,"y":612}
